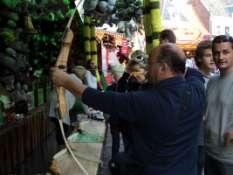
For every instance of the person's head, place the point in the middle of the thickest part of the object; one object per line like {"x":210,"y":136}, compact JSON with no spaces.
{"x":167,"y":36}
{"x":139,"y":56}
{"x":137,"y":70}
{"x":166,"y":61}
{"x":117,"y":71}
{"x":79,"y":71}
{"x":204,"y":58}
{"x":222,"y":47}
{"x":134,"y":65}
{"x":138,"y":59}
{"x":91,"y":65}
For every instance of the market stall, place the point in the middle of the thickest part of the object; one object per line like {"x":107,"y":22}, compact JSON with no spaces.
{"x":30,"y":36}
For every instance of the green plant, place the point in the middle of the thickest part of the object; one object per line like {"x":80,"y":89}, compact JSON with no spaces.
{"x":49,"y":19}
{"x":8,"y":36}
{"x":10,"y":3}
{"x":43,"y":58}
{"x":66,"y":2}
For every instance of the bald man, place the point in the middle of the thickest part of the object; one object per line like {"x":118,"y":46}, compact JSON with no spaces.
{"x":165,"y":119}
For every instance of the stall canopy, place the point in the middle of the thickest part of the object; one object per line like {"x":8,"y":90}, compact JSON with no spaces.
{"x":180,"y":16}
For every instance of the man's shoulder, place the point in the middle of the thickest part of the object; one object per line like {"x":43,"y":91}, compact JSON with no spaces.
{"x":213,"y":82}
{"x":193,"y":72}
{"x":194,"y":76}
{"x":214,"y":79}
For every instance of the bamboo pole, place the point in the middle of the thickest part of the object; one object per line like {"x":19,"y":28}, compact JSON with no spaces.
{"x":94,"y":56}
{"x":156,"y":25}
{"x":147,"y":25}
{"x":87,"y":36}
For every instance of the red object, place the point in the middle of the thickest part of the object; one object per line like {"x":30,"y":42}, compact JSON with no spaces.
{"x":124,"y":49}
{"x":108,"y":77}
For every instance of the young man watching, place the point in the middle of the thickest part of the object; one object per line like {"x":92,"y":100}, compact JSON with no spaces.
{"x":204,"y":60}
{"x":205,"y":63}
{"x":219,"y":113}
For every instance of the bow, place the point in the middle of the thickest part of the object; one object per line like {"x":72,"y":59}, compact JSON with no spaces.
{"x":61,"y":63}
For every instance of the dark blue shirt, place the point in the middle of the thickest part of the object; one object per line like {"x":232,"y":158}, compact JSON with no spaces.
{"x":165,"y":121}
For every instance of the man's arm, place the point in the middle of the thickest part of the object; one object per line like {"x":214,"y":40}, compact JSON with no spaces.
{"x":122,"y":105}
{"x":61,"y":78}
{"x":125,"y":106}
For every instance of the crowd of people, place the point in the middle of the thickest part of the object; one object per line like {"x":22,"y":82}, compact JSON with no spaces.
{"x":174,"y":120}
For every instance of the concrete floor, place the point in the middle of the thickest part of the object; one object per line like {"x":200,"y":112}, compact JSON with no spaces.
{"x":106,"y":155}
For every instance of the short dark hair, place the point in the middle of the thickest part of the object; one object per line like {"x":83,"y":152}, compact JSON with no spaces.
{"x":168,"y":35}
{"x":201,"y":47}
{"x":222,"y":39}
{"x":173,"y":56}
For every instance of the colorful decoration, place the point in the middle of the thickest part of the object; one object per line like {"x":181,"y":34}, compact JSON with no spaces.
{"x":109,"y":41}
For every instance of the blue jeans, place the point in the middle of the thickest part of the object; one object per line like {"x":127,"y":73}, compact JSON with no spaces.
{"x":215,"y":167}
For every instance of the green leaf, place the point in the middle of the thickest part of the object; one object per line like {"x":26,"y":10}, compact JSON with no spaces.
{"x":66,"y":2}
{"x":70,"y":12}
{"x":10,"y":3}
{"x":8,"y":36}
{"x":5,"y":100}
{"x":52,"y":16}
{"x":60,"y":15}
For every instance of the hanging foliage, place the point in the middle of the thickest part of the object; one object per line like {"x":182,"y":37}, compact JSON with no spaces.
{"x":10,"y":3}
